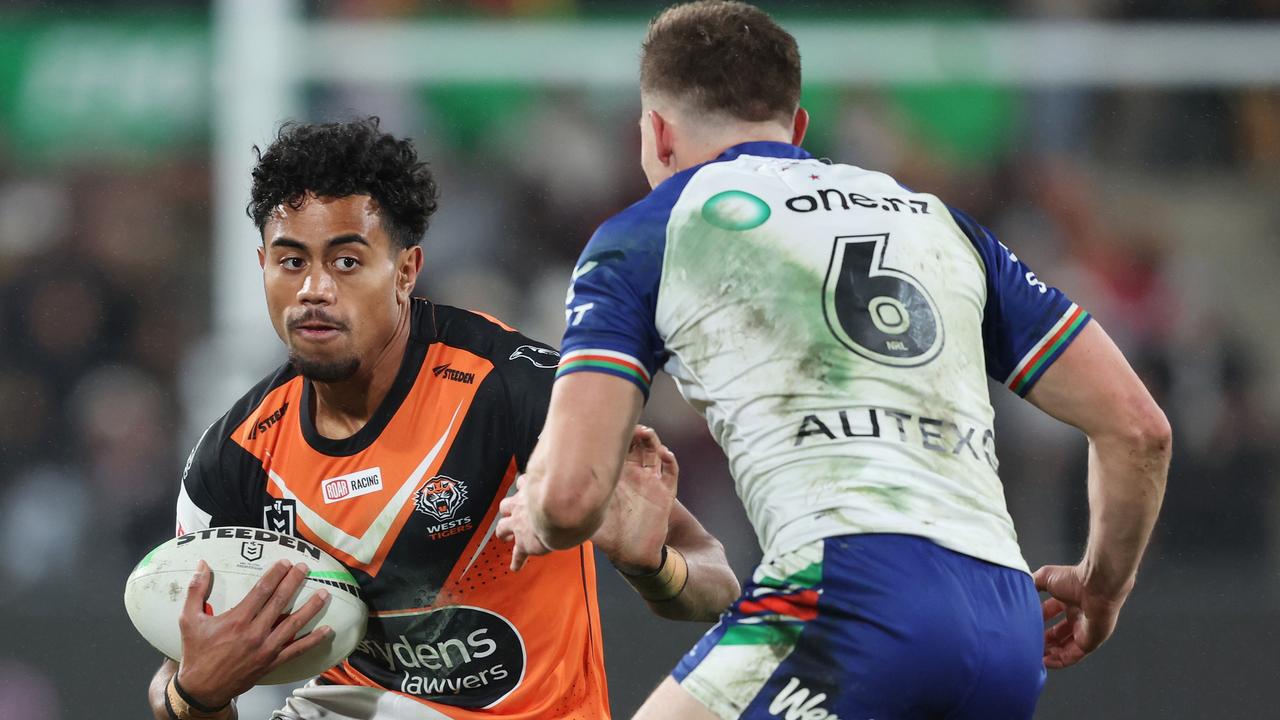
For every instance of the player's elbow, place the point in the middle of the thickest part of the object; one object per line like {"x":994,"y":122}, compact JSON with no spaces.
{"x":716,"y":589}
{"x":1158,"y":433}
{"x":1135,"y":424}
{"x":1149,"y":433}
{"x":725,"y":593}
{"x":711,"y":588}
{"x":1142,"y":436}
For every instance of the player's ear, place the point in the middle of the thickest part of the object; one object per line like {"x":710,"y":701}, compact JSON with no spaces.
{"x":799,"y":125}
{"x":262,"y":257}
{"x":407,"y":272}
{"x":664,"y":144}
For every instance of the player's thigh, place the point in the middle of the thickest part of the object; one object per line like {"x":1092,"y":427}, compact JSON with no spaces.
{"x":788,"y":645}
{"x":1013,"y":672}
{"x":670,"y":700}
{"x":859,"y":626}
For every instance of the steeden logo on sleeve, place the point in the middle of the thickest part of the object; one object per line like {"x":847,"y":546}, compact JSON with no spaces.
{"x":268,"y":422}
{"x":448,"y":373}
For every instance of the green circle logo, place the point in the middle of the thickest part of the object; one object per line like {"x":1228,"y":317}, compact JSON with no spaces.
{"x":736,"y":210}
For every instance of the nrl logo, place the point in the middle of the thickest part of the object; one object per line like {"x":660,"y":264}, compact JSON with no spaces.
{"x":251,"y":551}
{"x":441,"y":497}
{"x":540,"y":357}
{"x":279,"y":515}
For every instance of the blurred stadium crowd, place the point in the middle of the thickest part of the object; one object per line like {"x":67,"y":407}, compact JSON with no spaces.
{"x":1156,"y":210}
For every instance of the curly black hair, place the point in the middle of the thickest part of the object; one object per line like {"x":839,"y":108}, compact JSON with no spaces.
{"x":337,"y":160}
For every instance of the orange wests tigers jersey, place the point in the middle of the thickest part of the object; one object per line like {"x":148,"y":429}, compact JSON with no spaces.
{"x":409,"y":504}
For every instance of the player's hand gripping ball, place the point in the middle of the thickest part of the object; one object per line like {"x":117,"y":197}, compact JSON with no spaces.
{"x":237,"y":556}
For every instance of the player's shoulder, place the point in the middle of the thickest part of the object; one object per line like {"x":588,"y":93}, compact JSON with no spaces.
{"x":876,"y":182}
{"x":923,"y":204}
{"x":643,"y":224}
{"x":209,"y":448}
{"x":511,"y":352}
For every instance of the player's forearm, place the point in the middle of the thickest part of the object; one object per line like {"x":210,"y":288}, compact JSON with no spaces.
{"x":572,"y":471}
{"x":699,"y":585}
{"x":562,"y":517}
{"x":710,"y":588}
{"x":1092,"y":387}
{"x":1127,"y":475}
{"x":155,"y":693}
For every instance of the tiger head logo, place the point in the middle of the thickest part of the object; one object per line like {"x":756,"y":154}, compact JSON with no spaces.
{"x":441,"y":497}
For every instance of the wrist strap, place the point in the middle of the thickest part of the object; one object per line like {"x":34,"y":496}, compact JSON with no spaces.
{"x":182,"y":706}
{"x":662,"y":562}
{"x":665,"y":583}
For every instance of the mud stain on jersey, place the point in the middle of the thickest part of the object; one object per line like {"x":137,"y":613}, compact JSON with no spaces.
{"x":756,"y":299}
{"x":897,"y":497}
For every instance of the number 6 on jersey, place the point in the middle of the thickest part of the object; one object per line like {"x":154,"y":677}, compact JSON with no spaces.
{"x":880,"y":313}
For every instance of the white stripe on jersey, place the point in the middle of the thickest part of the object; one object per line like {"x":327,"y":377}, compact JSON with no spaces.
{"x":1066,"y":316}
{"x":190,"y":517}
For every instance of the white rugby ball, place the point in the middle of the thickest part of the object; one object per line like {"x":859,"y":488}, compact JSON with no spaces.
{"x":238,"y":556}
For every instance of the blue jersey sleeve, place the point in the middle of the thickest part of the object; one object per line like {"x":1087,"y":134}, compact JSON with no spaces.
{"x":1026,"y":324}
{"x":613,"y":295}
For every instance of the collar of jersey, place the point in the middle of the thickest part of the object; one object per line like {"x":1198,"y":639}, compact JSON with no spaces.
{"x":764,"y":149}
{"x":759,"y":148}
{"x":421,"y":335}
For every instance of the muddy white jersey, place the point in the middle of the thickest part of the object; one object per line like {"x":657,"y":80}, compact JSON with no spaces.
{"x":836,"y":331}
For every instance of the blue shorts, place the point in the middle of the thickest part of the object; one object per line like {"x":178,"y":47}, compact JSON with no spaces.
{"x":883,"y":627}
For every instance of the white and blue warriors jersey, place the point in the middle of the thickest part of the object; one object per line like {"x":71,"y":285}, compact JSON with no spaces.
{"x":835,"y":330}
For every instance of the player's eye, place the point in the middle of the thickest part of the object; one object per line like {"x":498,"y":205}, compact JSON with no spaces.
{"x":347,"y":263}
{"x":291,"y":263}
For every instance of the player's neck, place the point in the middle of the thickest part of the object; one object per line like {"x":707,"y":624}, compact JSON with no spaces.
{"x":343,"y":408}
{"x":703,"y":149}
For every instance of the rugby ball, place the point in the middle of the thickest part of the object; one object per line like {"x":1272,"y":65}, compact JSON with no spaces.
{"x":238,"y":556}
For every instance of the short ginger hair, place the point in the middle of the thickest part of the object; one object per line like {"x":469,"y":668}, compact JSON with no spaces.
{"x":728,"y":58}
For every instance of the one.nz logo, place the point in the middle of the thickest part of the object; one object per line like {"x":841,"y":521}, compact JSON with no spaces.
{"x":441,"y":497}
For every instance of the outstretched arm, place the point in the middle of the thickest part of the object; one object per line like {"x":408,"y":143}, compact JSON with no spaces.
{"x":675,"y":565}
{"x":1092,"y":387}
{"x":659,"y":547}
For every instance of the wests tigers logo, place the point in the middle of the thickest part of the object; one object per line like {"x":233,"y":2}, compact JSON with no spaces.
{"x":440,"y":497}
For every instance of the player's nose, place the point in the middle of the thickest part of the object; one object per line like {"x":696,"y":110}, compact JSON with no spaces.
{"x":317,"y":288}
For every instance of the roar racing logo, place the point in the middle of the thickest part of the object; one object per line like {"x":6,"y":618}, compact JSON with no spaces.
{"x":441,"y":497}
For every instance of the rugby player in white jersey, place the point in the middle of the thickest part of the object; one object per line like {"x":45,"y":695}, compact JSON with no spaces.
{"x":836,"y":330}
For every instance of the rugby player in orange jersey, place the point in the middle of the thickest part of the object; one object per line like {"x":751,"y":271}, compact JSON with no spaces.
{"x":388,"y":439}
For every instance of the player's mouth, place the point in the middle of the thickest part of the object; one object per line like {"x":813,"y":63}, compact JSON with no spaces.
{"x":314,"y":326}
{"x":316,"y":332}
